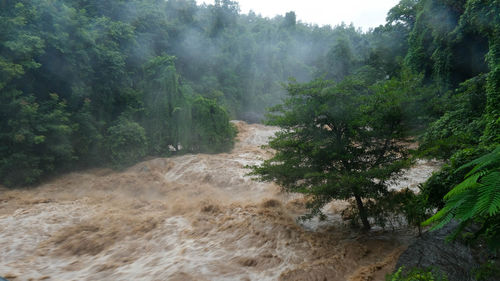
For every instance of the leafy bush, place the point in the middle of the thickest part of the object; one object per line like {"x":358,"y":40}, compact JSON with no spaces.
{"x":126,"y":142}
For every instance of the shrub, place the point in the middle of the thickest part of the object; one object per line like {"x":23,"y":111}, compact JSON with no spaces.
{"x":126,"y":142}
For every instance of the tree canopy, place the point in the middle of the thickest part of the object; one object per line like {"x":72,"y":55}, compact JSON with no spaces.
{"x":337,"y":141}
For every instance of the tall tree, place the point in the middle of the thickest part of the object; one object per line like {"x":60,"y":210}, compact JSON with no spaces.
{"x":337,"y":141}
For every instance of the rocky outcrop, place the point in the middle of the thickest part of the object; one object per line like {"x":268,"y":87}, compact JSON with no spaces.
{"x":432,"y":250}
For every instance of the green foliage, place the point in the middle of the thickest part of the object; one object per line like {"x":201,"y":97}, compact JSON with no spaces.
{"x":402,"y":207}
{"x":34,"y":140}
{"x":87,"y":139}
{"x":405,"y":12}
{"x":470,"y":123}
{"x":461,"y":126}
{"x":126,"y":142}
{"x":211,"y":131}
{"x":485,"y":16}
{"x":443,"y":46}
{"x":476,"y":199}
{"x":441,"y":182}
{"x":489,"y":270}
{"x":408,"y":90}
{"x":456,"y":42}
{"x":106,"y":63}
{"x":339,"y":61}
{"x":148,"y":60}
{"x":416,"y":274}
{"x":337,"y":141}
{"x":388,"y":49}
{"x":18,"y":43}
{"x":162,"y":98}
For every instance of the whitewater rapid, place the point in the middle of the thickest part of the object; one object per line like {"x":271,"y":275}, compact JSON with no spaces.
{"x":192,"y":217}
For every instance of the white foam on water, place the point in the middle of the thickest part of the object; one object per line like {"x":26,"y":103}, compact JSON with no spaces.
{"x":191,"y":217}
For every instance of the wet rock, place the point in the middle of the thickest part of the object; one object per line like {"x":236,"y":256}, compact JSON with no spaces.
{"x":432,"y":250}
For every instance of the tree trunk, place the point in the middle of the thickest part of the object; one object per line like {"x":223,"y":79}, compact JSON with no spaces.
{"x":362,"y":212}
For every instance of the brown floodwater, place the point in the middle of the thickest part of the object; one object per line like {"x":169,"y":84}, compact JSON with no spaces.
{"x":192,"y":217}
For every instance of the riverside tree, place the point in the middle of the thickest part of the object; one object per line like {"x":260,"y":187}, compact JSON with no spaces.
{"x":337,"y":141}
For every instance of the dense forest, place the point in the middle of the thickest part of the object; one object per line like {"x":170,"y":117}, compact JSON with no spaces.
{"x":87,"y":83}
{"x":90,"y":82}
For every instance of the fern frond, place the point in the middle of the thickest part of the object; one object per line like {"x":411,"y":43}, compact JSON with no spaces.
{"x":438,"y":216}
{"x":444,"y":221}
{"x":468,"y":183}
{"x":489,"y":192}
{"x":477,"y":196}
{"x":495,"y":205}
{"x":466,"y":208}
{"x":492,"y":180}
{"x":492,"y":158}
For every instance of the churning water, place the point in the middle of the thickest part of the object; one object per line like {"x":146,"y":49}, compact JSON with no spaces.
{"x":192,"y":217}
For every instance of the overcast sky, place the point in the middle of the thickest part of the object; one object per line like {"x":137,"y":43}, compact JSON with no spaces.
{"x":363,"y":13}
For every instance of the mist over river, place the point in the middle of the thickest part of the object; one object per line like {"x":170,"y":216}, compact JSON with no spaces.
{"x":191,"y":217}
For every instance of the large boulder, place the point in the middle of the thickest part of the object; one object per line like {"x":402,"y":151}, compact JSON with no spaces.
{"x":433,"y":250}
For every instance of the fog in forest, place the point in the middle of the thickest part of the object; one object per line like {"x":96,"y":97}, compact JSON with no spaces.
{"x":170,"y":140}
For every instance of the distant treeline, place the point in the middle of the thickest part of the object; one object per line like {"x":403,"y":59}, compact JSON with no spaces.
{"x":92,"y":82}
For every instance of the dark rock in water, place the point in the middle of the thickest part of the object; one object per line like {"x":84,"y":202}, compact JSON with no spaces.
{"x":251,"y":117}
{"x":432,"y":250}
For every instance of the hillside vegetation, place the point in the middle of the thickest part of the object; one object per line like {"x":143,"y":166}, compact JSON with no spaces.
{"x":86,"y":83}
